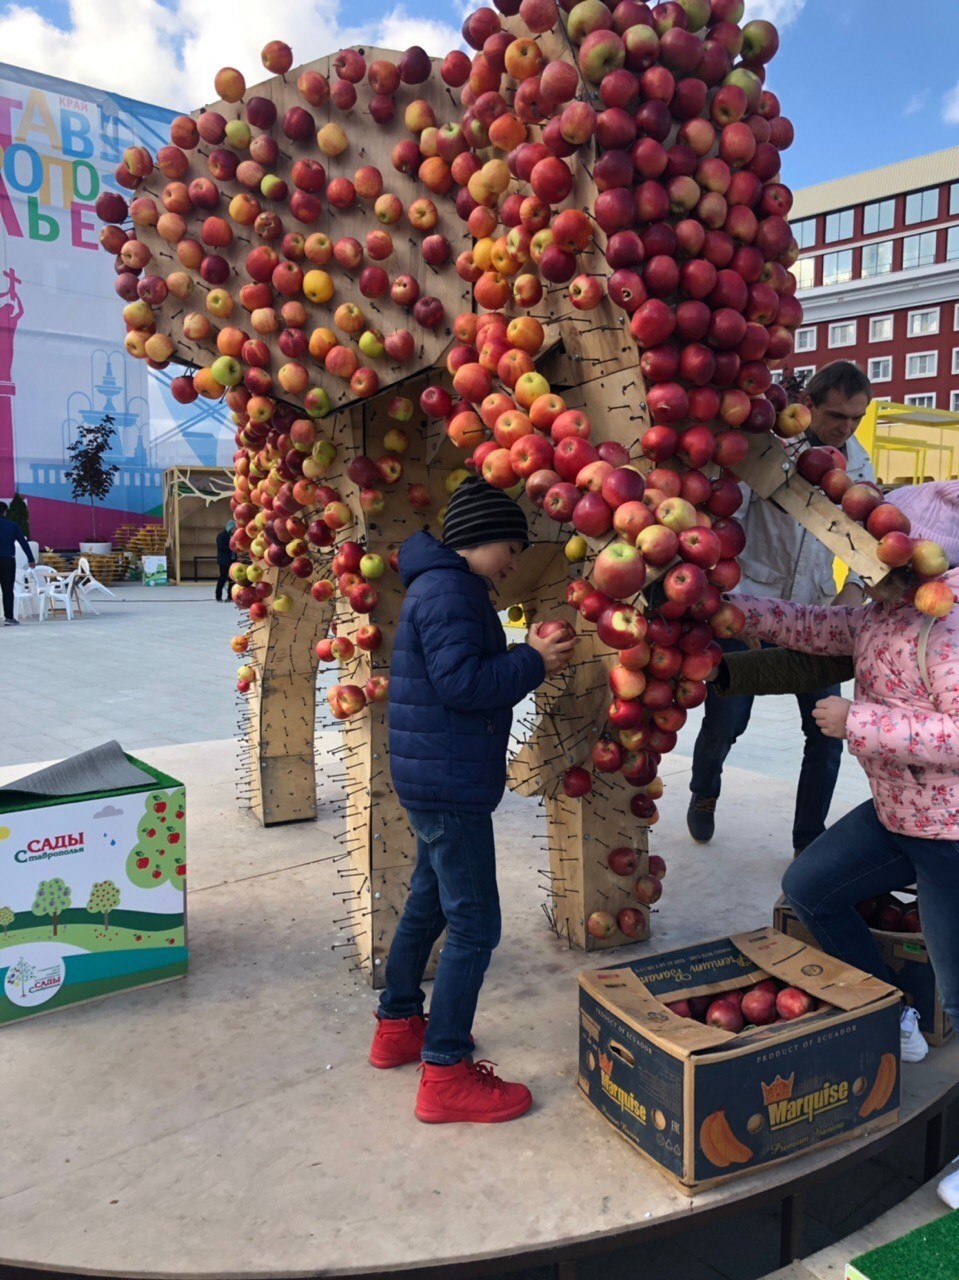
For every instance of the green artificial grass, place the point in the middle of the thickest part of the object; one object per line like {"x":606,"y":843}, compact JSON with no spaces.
{"x":930,"y":1252}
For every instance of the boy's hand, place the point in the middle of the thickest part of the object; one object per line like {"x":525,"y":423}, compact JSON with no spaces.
{"x":556,"y":650}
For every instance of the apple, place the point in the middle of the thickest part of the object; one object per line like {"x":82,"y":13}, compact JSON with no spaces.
{"x":887,"y":518}
{"x":935,"y":599}
{"x":928,"y":559}
{"x":576,"y":782}
{"x":623,"y":861}
{"x":619,"y":570}
{"x":860,"y":500}
{"x":725,"y":1014}
{"x":618,"y":625}
{"x":834,"y":483}
{"x":685,"y":584}
{"x":659,"y":544}
{"x":793,"y":1003}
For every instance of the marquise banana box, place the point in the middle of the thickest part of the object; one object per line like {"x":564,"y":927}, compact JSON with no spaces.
{"x":705,"y":1104}
{"x":907,"y":956}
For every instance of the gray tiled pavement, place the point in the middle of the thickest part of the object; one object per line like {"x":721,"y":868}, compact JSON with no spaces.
{"x":155,"y":668}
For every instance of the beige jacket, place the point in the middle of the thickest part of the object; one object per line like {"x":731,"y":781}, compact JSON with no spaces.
{"x":781,"y":558}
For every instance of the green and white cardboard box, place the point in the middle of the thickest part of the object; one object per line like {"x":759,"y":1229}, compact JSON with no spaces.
{"x":92,"y":894}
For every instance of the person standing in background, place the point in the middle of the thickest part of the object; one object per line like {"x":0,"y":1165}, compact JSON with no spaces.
{"x":785,"y":561}
{"x":225,"y":556}
{"x":11,"y":535}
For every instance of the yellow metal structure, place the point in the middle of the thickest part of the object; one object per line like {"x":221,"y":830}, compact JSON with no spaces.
{"x":925,"y":440}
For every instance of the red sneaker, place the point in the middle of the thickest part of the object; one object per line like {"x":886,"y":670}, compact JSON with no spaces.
{"x":468,"y":1091}
{"x":397,"y":1041}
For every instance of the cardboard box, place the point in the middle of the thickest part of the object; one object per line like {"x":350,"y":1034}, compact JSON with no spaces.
{"x":92,"y":894}
{"x":705,"y":1104}
{"x":906,"y":956}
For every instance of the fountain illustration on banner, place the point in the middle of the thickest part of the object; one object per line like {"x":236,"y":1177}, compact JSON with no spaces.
{"x":11,"y":313}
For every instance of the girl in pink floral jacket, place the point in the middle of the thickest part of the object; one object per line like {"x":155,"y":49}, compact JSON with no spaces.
{"x":903,"y":727}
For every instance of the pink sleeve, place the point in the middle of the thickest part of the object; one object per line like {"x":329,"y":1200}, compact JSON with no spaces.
{"x":808,"y":628}
{"x":914,"y":736}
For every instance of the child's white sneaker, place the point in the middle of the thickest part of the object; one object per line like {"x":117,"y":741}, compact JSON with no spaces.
{"x":912,"y":1043}
{"x":948,"y":1188}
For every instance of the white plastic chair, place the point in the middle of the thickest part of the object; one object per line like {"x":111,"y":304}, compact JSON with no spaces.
{"x":87,"y":583}
{"x":61,"y":593}
{"x":27,"y":600}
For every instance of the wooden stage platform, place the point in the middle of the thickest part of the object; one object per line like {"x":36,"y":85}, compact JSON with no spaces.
{"x":229,"y":1125}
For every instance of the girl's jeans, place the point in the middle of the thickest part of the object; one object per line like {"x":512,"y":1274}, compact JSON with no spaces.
{"x":453,"y":887}
{"x":859,"y":858}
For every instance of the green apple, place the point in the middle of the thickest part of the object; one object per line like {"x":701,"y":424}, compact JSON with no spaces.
{"x":282,"y":604}
{"x":227,"y":371}
{"x":396,"y":439}
{"x":317,"y":404}
{"x":372,"y":566}
{"x":254,"y":573}
{"x":238,"y":134}
{"x":371,"y":343}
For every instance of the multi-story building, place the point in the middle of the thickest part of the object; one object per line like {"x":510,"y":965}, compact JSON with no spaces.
{"x":878,"y":277}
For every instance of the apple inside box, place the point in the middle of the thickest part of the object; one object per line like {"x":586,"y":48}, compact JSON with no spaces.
{"x":707,"y":1104}
{"x":906,"y":956}
{"x":92,"y":893}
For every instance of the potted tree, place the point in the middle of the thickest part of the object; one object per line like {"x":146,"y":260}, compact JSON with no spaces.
{"x":90,"y":477}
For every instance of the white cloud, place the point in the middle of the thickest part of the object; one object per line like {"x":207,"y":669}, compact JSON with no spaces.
{"x":169,"y":53}
{"x":950,"y":106}
{"x":916,"y":103}
{"x":782,"y":12}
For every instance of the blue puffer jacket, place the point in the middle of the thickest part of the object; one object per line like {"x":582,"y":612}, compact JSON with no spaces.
{"x":453,"y":685}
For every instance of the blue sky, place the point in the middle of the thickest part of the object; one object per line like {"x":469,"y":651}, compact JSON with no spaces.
{"x":866,"y":82}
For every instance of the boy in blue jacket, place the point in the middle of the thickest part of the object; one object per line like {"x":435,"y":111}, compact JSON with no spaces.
{"x":453,"y":686}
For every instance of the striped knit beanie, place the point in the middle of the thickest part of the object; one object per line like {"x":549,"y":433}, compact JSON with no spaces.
{"x":479,"y":513}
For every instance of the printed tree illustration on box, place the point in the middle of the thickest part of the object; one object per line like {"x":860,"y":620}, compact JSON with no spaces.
{"x":160,"y":853}
{"x":53,"y":897}
{"x":6,"y":918}
{"x":20,"y":975}
{"x":88,"y":476}
{"x":104,"y":896}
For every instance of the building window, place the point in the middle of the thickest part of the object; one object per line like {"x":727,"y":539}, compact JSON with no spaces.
{"x":843,"y":334}
{"x":954,"y":401}
{"x":876,"y":259}
{"x":919,"y":251}
{"x":880,"y":329}
{"x":883,"y":399}
{"x":880,"y":369}
{"x":837,"y":267}
{"x":955,"y":317}
{"x":805,"y":272}
{"x":777,"y":376}
{"x":805,"y":232}
{"x":922,"y":206}
{"x":955,"y":360}
{"x":952,"y":244}
{"x":838,"y":226}
{"x":954,"y":198}
{"x":805,"y":339}
{"x":922,"y":364}
{"x":925,"y":400}
{"x":921,"y":323}
{"x":878,"y":216}
{"x":804,"y":371}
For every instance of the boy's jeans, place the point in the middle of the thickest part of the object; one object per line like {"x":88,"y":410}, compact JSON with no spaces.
{"x":858,"y":858}
{"x":453,"y":887}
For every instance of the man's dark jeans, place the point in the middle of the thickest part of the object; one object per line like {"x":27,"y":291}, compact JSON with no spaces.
{"x":726,"y":718}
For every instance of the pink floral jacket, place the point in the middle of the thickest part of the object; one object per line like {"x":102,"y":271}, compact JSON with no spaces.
{"x":906,"y":739}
